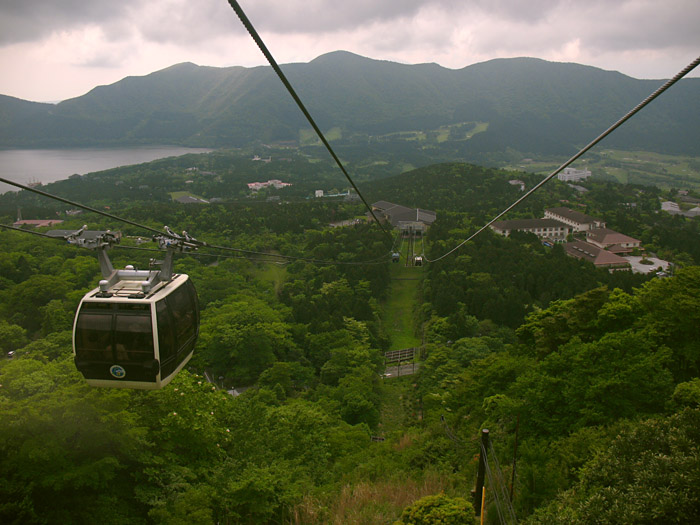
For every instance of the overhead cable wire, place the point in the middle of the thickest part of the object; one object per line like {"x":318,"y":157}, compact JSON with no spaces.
{"x":263,"y":48}
{"x":82,"y":206}
{"x":581,"y":152}
{"x":379,"y":260}
{"x":158,"y":232}
{"x":7,"y":226}
{"x":248,"y":254}
{"x":494,"y":487}
{"x":501,"y":484}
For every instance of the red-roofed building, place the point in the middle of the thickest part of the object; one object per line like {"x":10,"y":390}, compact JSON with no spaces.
{"x":578,"y":221}
{"x":612,"y":241}
{"x":37,"y":223}
{"x":591,"y":253}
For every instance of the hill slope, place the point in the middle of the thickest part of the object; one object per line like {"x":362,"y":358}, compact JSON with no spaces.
{"x":530,"y":105}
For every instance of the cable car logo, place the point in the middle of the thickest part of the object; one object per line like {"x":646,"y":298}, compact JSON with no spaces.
{"x":117,"y":371}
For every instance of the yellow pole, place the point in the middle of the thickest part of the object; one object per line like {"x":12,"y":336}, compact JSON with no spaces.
{"x":483,"y":509}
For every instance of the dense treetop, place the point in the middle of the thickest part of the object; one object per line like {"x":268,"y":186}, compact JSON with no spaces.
{"x":598,"y":371}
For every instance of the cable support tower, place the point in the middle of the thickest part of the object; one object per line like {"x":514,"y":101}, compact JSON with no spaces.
{"x":81,"y":206}
{"x":581,"y":152}
{"x":247,"y":254}
{"x":501,"y":484}
{"x":504,"y":508}
{"x":273,"y":63}
{"x":449,"y":432}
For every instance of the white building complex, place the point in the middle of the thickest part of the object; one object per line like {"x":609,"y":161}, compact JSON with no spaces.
{"x":573,"y":175}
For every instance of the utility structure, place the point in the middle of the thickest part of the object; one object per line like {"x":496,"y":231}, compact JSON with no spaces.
{"x":481,"y":473}
{"x":138,"y":328}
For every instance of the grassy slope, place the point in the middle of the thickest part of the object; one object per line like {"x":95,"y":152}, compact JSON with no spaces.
{"x":632,"y":167}
{"x":398,"y":308}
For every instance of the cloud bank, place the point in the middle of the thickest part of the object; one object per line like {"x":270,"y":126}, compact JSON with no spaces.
{"x":73,"y":41}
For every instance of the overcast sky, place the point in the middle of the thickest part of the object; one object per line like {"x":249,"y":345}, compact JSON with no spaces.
{"x":51,"y":50}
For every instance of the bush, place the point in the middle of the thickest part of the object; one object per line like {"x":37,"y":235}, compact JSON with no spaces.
{"x":438,"y":509}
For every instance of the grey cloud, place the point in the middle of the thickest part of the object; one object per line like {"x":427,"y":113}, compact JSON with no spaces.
{"x":27,"y":21}
{"x":600,"y":25}
{"x":194,"y":21}
{"x":327,"y":15}
{"x":649,"y":26}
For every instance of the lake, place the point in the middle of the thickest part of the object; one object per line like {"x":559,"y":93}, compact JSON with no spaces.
{"x":49,"y":165}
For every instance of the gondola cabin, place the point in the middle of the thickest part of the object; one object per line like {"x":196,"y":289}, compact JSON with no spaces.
{"x":395,"y":257}
{"x":418,"y":261}
{"x":132,"y":334}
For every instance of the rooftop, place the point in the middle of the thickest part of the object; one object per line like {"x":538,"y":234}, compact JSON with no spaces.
{"x":608,"y":236}
{"x":572,"y":215}
{"x":591,"y":253}
{"x":527,"y":224}
{"x":397,"y":213}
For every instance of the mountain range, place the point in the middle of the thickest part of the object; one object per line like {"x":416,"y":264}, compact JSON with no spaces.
{"x":530,"y":106}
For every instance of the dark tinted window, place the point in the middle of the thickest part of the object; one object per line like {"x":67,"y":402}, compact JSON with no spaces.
{"x":182,"y":307}
{"x":166,"y":336}
{"x":93,"y":336}
{"x":133,"y":337}
{"x":99,"y":307}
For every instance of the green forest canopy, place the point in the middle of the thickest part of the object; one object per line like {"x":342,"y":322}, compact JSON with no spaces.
{"x":600,"y":369}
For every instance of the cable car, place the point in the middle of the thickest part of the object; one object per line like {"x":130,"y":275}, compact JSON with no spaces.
{"x":418,"y":261}
{"x":138,"y":328}
{"x":395,"y":257}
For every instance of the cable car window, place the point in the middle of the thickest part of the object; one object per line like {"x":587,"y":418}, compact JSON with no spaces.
{"x":182,"y":307}
{"x":100,"y":307}
{"x":94,"y":336}
{"x":133,"y":338}
{"x":166,"y":337}
{"x":141,"y":307}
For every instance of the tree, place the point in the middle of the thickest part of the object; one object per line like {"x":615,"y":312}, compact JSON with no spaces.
{"x":12,"y":336}
{"x":67,"y":449}
{"x":243,"y":337}
{"x":648,"y":474}
{"x":438,"y":509}
{"x":289,"y":375}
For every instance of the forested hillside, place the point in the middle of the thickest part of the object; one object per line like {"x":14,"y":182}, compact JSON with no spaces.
{"x":512,"y":105}
{"x":598,"y":373}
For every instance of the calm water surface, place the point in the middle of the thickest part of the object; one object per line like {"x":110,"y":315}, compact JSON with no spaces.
{"x":49,"y":165}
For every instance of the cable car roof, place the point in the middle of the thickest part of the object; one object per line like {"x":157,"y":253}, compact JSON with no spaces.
{"x":132,"y":290}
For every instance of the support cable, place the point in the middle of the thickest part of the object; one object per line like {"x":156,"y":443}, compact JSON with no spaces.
{"x":585,"y":149}
{"x":502,"y":486}
{"x":81,"y":206}
{"x":494,"y":488}
{"x":247,"y":254}
{"x":263,"y":48}
{"x":40,"y":234}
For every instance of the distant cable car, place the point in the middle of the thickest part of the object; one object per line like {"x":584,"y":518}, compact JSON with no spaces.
{"x":395,"y":257}
{"x":138,"y":328}
{"x":418,"y":261}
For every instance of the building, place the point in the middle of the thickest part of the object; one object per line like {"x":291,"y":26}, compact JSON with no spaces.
{"x":601,"y":258}
{"x":612,"y":241}
{"x":578,"y":188}
{"x":690,"y":200}
{"x":673,"y":208}
{"x":275,"y":183}
{"x":404,"y":218}
{"x":544,"y":228}
{"x":670,"y":207}
{"x":318,"y":194}
{"x":517,"y":182}
{"x":37,"y":223}
{"x":573,"y":175}
{"x":190,"y":199}
{"x":579,"y":222}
